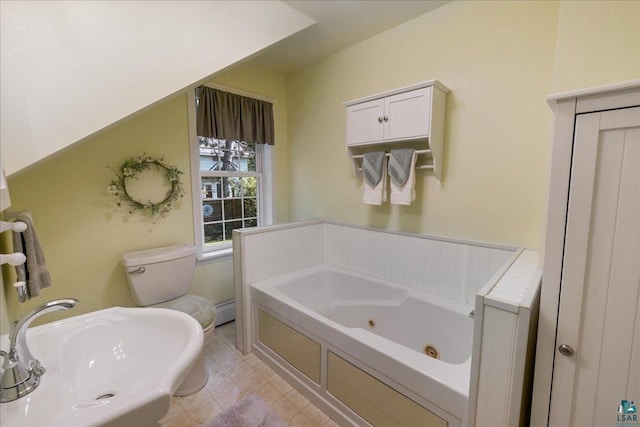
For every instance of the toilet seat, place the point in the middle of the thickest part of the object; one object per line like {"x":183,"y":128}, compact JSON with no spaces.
{"x":199,"y":308}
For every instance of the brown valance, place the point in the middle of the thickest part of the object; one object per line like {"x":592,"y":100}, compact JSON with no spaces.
{"x":225,"y":115}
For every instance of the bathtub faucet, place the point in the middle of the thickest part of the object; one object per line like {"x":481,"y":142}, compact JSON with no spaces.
{"x":22,"y":371}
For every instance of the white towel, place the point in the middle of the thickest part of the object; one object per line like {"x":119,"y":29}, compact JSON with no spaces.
{"x":378,"y":194}
{"x":406,"y":193}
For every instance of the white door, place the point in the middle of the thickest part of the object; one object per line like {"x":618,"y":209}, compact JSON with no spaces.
{"x":408,"y":114}
{"x":364,"y":122}
{"x":597,"y":360}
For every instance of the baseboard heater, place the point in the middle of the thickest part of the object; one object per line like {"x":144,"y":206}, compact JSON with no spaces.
{"x":225,"y":312}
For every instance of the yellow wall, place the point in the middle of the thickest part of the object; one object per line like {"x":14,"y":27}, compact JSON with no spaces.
{"x":598,"y":43}
{"x":4,"y":316}
{"x":497,"y":59}
{"x":84,"y":235}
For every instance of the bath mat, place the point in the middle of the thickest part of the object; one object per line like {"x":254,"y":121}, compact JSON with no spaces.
{"x":249,"y":412}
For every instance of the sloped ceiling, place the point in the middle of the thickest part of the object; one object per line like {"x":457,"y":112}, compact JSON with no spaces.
{"x":340,"y":24}
{"x":69,"y":69}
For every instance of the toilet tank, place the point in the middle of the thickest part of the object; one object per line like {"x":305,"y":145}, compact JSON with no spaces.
{"x":161,"y":274}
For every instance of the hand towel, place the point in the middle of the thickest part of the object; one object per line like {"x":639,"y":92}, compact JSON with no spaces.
{"x":402,"y":167}
{"x":374,"y":171}
{"x":34,"y":271}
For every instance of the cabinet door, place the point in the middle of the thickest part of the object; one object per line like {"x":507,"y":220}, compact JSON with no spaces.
{"x":364,"y":122}
{"x":407,"y":115}
{"x":597,"y":360}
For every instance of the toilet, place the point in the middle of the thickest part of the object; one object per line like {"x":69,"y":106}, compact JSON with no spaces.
{"x":161,"y":278}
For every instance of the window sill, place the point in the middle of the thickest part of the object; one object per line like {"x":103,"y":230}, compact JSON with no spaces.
{"x":215,"y":256}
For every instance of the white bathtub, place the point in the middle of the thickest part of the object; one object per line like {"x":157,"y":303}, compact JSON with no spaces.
{"x":377,"y":326}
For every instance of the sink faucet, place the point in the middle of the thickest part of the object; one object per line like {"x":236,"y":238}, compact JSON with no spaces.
{"x":22,"y":371}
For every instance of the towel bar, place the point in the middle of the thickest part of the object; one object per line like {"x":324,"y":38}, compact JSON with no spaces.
{"x":21,"y":289}
{"x":16,"y":258}
{"x":360,"y":156}
{"x":17,"y":226}
{"x":417,"y":167}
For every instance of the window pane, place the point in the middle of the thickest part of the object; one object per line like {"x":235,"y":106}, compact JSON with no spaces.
{"x":211,"y":188}
{"x":250,"y":208}
{"x":212,"y":211}
{"x":229,"y":227}
{"x":225,"y":163}
{"x":247,"y":156}
{"x":213,"y":233}
{"x":232,"y":187}
{"x":250,"y":186}
{"x":209,"y":153}
{"x":251,"y":222}
{"x":233,"y":209}
{"x":207,"y":162}
{"x":223,"y":155}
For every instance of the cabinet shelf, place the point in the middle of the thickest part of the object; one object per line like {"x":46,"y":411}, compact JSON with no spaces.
{"x":408,"y":117}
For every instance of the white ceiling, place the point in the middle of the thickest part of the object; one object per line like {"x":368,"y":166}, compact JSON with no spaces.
{"x":340,"y":23}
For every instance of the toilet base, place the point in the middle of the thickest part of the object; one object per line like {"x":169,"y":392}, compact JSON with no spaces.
{"x":195,"y":380}
{"x":198,"y":375}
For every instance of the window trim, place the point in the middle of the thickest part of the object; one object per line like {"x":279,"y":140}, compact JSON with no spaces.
{"x":265,"y":192}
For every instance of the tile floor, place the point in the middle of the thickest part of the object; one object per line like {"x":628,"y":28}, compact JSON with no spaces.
{"x":233,"y":376}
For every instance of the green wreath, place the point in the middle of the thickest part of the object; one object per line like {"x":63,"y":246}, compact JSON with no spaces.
{"x":129,"y":170}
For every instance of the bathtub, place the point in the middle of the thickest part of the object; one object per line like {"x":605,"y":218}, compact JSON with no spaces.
{"x":324,"y":325}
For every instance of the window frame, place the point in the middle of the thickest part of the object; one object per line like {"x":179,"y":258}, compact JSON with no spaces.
{"x":263,"y":172}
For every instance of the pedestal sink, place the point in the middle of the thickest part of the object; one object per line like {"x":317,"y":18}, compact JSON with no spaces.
{"x":113,"y":367}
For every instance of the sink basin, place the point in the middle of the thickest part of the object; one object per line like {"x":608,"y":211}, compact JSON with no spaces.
{"x":113,"y":367}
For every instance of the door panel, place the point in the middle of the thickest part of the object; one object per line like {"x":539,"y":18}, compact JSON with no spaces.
{"x":600,"y":295}
{"x":363,"y":122}
{"x":408,"y":114}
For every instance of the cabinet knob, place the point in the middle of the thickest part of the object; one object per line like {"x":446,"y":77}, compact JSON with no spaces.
{"x":379,"y":119}
{"x":566,"y":350}
{"x":385,"y":118}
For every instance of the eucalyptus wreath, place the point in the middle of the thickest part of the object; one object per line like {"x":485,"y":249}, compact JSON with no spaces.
{"x":129,"y":170}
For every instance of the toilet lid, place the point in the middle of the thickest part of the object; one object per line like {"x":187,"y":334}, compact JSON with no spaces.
{"x":195,"y":306}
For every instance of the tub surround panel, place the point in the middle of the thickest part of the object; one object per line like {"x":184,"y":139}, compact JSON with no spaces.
{"x":504,"y":342}
{"x":282,"y":251}
{"x":494,"y":412}
{"x":373,"y":400}
{"x":450,"y":268}
{"x":300,"y":351}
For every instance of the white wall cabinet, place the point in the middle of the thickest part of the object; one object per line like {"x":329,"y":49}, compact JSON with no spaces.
{"x":364,"y":122}
{"x":410,"y":116}
{"x":403,"y":116}
{"x":588,"y":350}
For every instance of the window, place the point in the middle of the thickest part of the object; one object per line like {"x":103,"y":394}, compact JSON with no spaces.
{"x":231,"y":188}
{"x":229,"y":179}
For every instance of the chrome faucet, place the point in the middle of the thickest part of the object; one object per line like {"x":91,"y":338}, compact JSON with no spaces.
{"x":22,"y":371}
